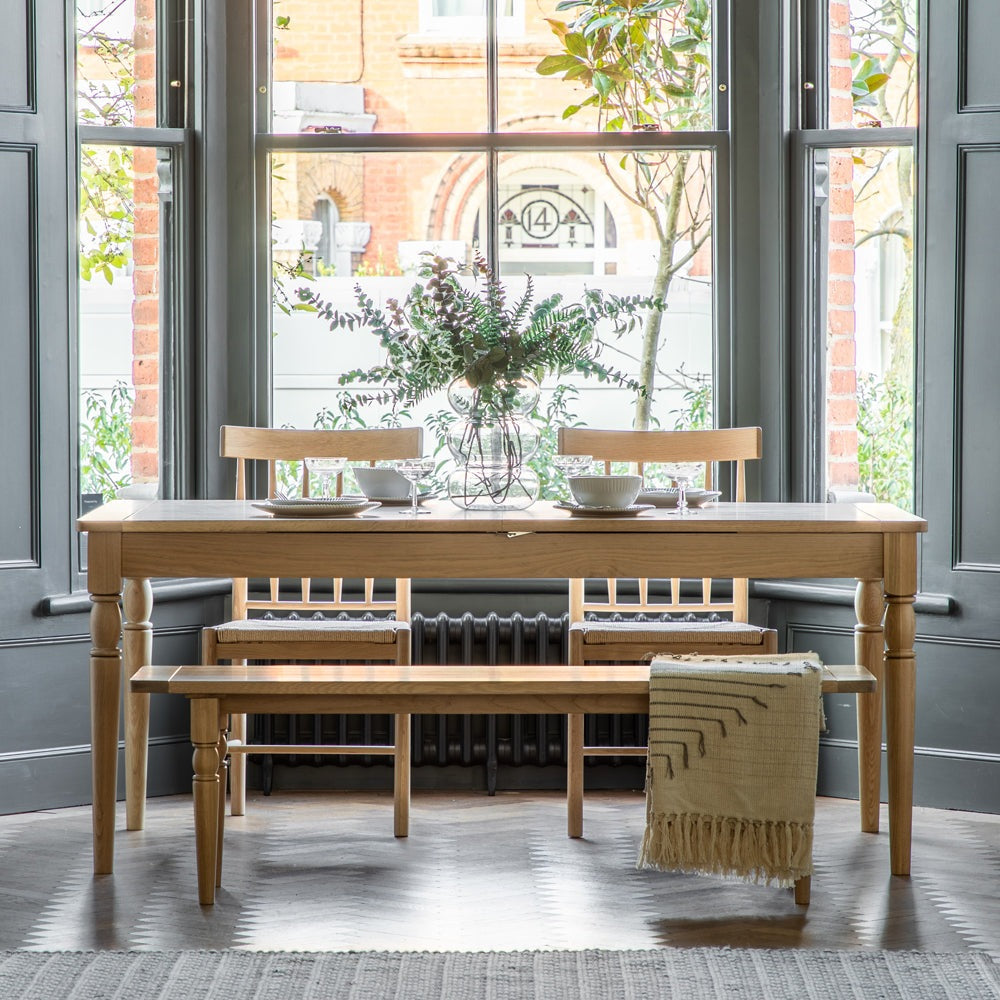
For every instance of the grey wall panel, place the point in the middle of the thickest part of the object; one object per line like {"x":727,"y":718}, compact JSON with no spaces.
{"x":17,"y":373}
{"x":977,"y":54}
{"x":45,"y":718}
{"x":50,"y":680}
{"x":979,"y":473}
{"x":958,"y":702}
{"x":16,"y":90}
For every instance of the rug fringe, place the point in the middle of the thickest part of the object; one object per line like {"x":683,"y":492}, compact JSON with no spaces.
{"x":764,"y":851}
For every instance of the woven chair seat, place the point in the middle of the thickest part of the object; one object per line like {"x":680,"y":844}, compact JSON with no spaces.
{"x":737,"y":633}
{"x":308,"y":630}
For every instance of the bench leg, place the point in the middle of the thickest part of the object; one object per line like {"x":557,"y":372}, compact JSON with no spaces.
{"x":803,"y":889}
{"x":401,"y":778}
{"x":574,"y":775}
{"x":205,"y":786}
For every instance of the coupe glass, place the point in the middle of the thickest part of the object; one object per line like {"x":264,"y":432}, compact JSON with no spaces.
{"x":684,"y":474}
{"x":414,"y":469}
{"x":325,"y":469}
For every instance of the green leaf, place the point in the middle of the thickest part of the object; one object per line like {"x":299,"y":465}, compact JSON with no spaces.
{"x":556,"y":64}
{"x":576,"y":44}
{"x":603,"y":84}
{"x":684,"y":43}
{"x":876,"y":81}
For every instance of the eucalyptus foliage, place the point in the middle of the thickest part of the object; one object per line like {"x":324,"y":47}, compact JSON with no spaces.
{"x":446,"y":329}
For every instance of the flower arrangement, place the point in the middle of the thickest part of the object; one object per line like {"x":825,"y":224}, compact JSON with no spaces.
{"x":446,"y":330}
{"x":490,"y":355}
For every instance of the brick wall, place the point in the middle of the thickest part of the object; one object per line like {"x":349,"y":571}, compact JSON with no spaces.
{"x":145,"y":255}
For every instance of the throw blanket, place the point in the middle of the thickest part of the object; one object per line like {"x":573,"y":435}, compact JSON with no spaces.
{"x":731,"y":775}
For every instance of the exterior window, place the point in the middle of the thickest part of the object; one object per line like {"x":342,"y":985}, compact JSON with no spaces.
{"x":860,"y":232}
{"x":409,"y":172}
{"x":127,"y":331}
{"x":468,"y":17}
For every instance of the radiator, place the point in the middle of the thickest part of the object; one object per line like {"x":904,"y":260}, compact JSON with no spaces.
{"x":466,"y":740}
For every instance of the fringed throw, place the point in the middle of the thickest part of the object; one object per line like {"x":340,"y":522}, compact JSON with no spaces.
{"x":731,"y":774}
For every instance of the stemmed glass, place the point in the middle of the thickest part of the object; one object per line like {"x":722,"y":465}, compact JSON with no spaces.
{"x":414,"y":469}
{"x":325,"y":468}
{"x":573,"y":465}
{"x":684,"y":474}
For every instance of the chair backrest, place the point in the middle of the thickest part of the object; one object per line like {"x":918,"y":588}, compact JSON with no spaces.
{"x":275,"y":445}
{"x":644,"y":448}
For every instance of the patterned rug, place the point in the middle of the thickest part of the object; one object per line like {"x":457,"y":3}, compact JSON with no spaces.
{"x":693,"y":974}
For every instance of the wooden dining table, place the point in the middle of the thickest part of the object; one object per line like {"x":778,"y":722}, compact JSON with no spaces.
{"x":132,"y":542}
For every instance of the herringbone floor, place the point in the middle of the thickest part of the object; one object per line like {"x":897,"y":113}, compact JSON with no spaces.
{"x":321,"y":871}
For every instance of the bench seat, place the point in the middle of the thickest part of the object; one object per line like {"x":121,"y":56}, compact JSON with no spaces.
{"x":215,"y":692}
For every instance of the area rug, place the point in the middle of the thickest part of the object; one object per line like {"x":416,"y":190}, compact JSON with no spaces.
{"x":689,"y":974}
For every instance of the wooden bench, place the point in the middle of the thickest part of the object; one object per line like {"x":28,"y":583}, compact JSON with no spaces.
{"x":215,"y":692}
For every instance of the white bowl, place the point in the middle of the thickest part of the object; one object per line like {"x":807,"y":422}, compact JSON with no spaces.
{"x":605,"y":491}
{"x":384,"y":484}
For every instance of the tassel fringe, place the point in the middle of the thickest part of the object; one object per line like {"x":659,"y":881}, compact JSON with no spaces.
{"x":763,"y":851}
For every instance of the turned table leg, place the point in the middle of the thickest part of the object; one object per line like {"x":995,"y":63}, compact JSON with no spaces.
{"x":900,"y":692}
{"x":869,"y":651}
{"x":104,"y":584}
{"x":137,"y":651}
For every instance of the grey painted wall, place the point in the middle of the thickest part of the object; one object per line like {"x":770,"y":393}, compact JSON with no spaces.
{"x":44,"y":698}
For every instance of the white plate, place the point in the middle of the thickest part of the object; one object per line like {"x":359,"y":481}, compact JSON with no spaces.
{"x":668,"y":497}
{"x":578,"y":511}
{"x":326,"y":507}
{"x":399,"y":501}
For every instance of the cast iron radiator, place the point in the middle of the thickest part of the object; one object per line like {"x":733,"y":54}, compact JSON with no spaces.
{"x":465,"y":740}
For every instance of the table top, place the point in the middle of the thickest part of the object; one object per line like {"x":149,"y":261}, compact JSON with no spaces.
{"x":213,"y":516}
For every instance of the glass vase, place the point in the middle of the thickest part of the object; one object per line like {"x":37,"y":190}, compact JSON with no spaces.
{"x":491,"y":443}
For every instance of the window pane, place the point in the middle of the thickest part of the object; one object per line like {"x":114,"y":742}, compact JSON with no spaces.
{"x":873,"y":63}
{"x":116,"y":62}
{"x":612,"y":68}
{"x":378,"y":212}
{"x":629,"y":224}
{"x":869,"y":322}
{"x":119,"y":349}
{"x":563,"y":220}
{"x":392,"y":67}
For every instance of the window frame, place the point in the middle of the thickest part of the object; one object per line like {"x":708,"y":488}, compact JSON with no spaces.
{"x":491,"y":143}
{"x":174,"y":135}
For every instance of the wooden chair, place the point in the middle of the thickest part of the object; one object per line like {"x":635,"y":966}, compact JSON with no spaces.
{"x":706,"y":624}
{"x":301,"y":637}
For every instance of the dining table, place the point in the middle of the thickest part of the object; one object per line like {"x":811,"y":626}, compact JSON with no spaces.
{"x":133,"y":542}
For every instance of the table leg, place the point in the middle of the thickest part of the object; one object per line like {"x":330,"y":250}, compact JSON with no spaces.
{"x":869,"y":651}
{"x":574,"y":775}
{"x":137,"y":651}
{"x":104,"y":584}
{"x":900,"y":692}
{"x":401,"y":778}
{"x":205,"y":737}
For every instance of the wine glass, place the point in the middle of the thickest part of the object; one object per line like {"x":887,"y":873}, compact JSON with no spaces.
{"x":324,"y":469}
{"x":573,"y":465}
{"x":414,"y":469}
{"x":684,"y":474}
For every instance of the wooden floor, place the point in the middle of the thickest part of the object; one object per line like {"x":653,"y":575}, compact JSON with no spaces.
{"x":321,"y":871}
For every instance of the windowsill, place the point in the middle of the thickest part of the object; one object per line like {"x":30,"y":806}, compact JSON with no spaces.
{"x":814,"y":593}
{"x":776,"y":590}
{"x":438,"y":45}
